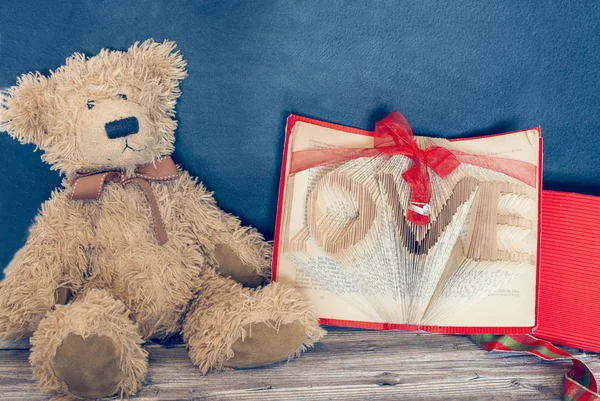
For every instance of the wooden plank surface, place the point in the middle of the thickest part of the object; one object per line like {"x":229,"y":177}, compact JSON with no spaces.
{"x":348,"y":365}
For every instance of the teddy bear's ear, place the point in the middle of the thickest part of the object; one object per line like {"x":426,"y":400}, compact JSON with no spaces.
{"x":22,"y":108}
{"x":160,"y":61}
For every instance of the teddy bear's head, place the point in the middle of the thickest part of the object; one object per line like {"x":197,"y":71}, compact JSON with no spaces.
{"x":111,"y":111}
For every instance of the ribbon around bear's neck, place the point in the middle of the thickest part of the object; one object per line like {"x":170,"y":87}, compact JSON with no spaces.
{"x":89,"y":185}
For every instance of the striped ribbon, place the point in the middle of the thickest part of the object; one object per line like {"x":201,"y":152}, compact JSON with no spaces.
{"x":580,"y":384}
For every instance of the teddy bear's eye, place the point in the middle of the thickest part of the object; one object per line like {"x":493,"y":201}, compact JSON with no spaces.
{"x":90,"y":104}
{"x":122,"y":96}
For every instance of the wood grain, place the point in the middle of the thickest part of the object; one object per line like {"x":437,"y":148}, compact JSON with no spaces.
{"x":348,"y":365}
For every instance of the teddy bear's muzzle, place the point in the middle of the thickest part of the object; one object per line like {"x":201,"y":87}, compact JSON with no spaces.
{"x":121,"y":128}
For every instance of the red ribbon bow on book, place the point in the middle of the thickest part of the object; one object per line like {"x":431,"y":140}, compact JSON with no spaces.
{"x":393,"y":136}
{"x":88,"y":185}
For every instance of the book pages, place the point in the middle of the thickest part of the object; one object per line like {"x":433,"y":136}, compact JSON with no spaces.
{"x":345,"y":241}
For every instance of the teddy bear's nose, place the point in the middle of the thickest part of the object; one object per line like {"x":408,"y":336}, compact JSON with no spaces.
{"x":122,"y":127}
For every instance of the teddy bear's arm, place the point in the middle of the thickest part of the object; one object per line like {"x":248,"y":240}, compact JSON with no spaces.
{"x":45,"y":269}
{"x":240,"y":252}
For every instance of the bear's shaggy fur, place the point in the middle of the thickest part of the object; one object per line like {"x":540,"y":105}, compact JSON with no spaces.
{"x":91,"y":284}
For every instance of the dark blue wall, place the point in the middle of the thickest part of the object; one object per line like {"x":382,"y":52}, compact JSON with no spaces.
{"x":454,"y":68}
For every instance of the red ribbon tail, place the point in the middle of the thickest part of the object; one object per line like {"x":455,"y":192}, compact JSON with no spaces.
{"x":580,"y":384}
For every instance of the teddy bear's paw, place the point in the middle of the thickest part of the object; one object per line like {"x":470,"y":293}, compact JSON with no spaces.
{"x":230,"y":265}
{"x":265,"y":344}
{"x":89,"y":367}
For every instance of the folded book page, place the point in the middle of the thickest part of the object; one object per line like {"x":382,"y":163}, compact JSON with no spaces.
{"x":345,"y":241}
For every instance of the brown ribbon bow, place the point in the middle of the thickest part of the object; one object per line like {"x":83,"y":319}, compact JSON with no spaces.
{"x":88,"y":185}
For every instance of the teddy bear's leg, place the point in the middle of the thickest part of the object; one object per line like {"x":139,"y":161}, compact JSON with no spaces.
{"x":89,"y":349}
{"x":229,"y":325}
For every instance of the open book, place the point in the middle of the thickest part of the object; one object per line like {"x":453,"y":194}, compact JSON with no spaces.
{"x":449,"y":249}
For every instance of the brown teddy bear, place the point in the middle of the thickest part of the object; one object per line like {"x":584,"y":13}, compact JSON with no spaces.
{"x":132,"y":248}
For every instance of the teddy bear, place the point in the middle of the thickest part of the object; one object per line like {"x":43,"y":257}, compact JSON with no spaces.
{"x":132,"y":247}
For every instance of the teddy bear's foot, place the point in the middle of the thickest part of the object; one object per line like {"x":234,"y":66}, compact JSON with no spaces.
{"x":240,"y":327}
{"x":230,"y":265}
{"x":89,"y":349}
{"x":265,"y":343}
{"x":89,"y":367}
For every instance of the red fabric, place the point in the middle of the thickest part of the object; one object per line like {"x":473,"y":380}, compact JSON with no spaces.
{"x":580,"y":383}
{"x":393,"y":136}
